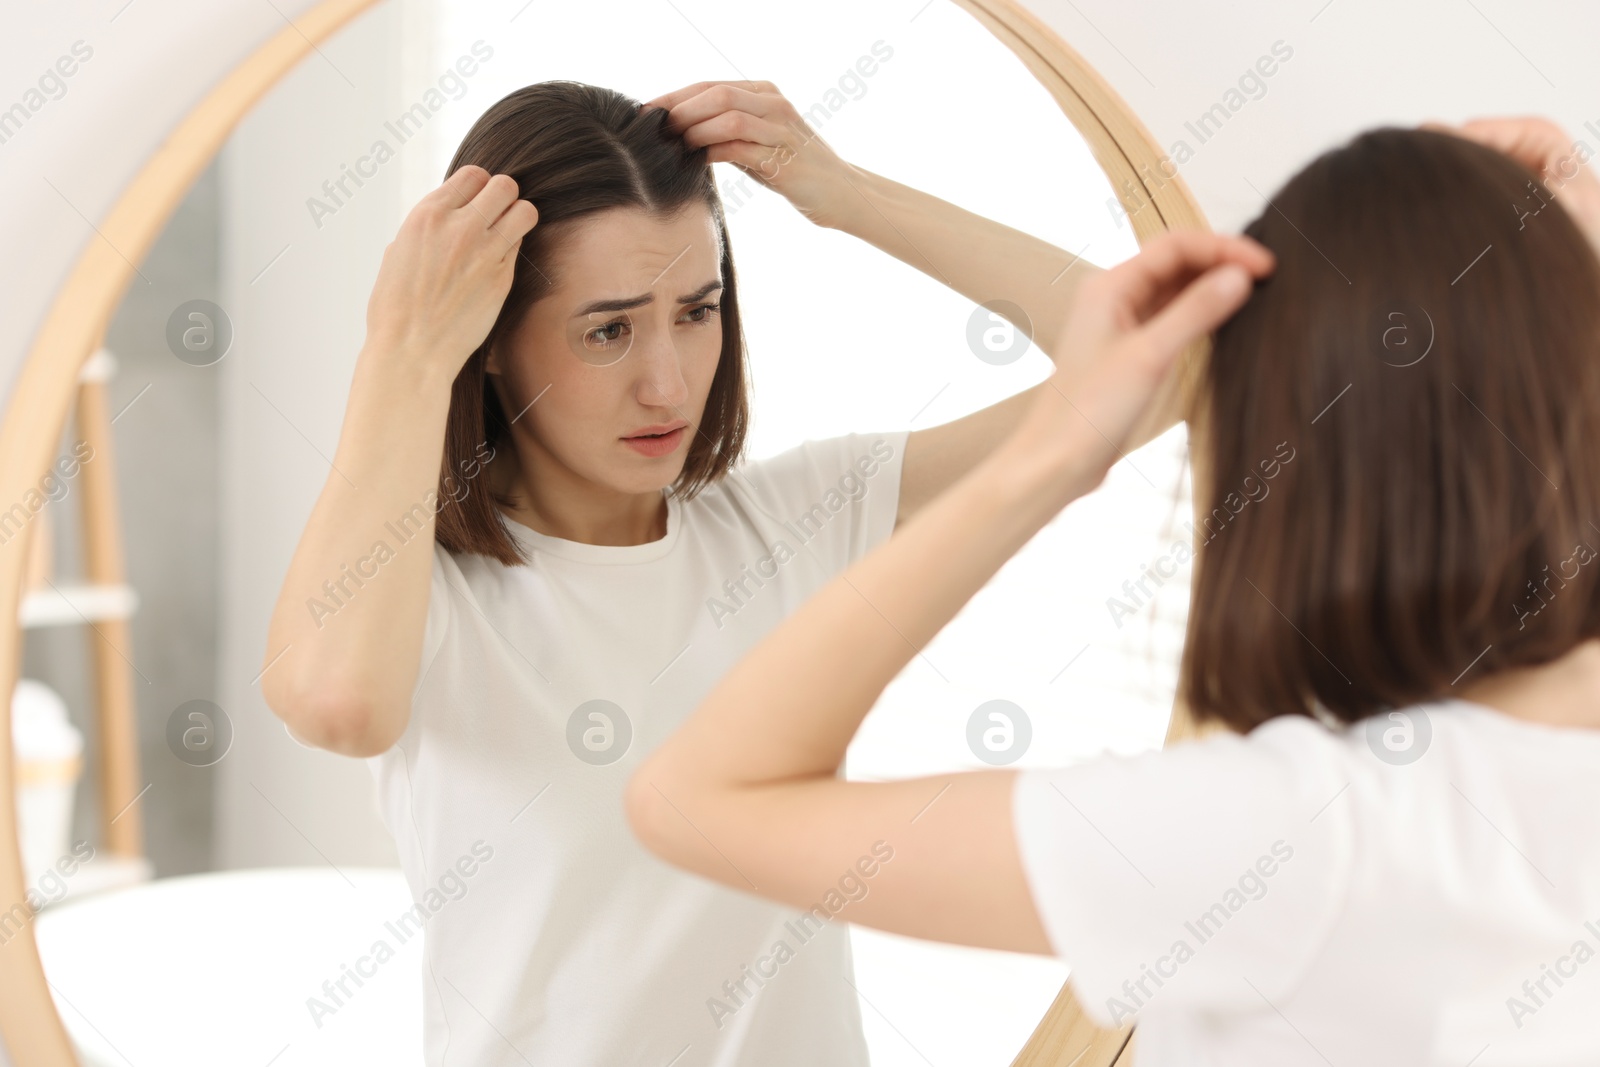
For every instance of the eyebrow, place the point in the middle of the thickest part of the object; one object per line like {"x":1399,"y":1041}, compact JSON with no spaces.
{"x":628,"y":302}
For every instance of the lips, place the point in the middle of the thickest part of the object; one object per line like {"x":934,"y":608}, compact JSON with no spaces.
{"x":660,"y":440}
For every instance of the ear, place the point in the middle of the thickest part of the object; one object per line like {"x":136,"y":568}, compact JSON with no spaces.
{"x":491,"y":360}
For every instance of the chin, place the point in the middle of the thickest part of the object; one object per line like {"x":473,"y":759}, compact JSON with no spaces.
{"x":645,"y":477}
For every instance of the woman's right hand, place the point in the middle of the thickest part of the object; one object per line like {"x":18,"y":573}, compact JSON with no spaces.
{"x":1128,"y":326}
{"x":446,"y":274}
{"x":340,"y":668}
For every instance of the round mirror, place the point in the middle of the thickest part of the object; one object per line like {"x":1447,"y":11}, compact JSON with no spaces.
{"x":220,"y":886}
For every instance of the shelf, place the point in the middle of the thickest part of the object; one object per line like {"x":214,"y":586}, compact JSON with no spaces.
{"x":70,"y":604}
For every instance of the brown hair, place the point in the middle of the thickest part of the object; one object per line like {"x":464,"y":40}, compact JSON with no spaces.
{"x":574,"y":150}
{"x":1427,"y":357}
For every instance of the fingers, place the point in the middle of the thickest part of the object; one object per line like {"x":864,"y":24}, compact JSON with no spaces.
{"x":677,"y":96}
{"x":497,"y":194}
{"x":1181,"y":286}
{"x":673,"y":99}
{"x":1128,"y":364}
{"x":736,"y":126}
{"x":466,"y":182}
{"x":692,"y":107}
{"x":761,"y":160}
{"x":1139,"y":286}
{"x":517,"y":220}
{"x":491,"y":201}
{"x":1202,"y":306}
{"x":722,"y":100}
{"x":1520,"y":129}
{"x":471,"y":186}
{"x":1535,"y":142}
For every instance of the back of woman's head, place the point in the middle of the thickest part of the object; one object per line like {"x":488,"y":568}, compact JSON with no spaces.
{"x":1398,"y":439}
{"x":576,"y":150}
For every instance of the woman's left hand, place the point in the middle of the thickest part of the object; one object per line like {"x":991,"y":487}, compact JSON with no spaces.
{"x":754,"y":126}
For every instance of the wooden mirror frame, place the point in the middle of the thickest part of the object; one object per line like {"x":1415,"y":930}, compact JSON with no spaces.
{"x":76,"y":324}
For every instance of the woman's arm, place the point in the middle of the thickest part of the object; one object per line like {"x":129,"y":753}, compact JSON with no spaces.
{"x":983,"y":260}
{"x":1564,"y":165}
{"x":752,"y":125}
{"x":747,"y":792}
{"x":342,"y":653}
{"x":978,"y":257}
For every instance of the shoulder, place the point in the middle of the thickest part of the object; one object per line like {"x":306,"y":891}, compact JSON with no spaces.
{"x":1292,"y":756}
{"x":452,"y":581}
{"x":1236,"y":794}
{"x":813,"y":467}
{"x":456,"y":571}
{"x":1127,"y":857}
{"x":833,"y":498}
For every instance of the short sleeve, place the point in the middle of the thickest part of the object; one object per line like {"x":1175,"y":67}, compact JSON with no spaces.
{"x":839,"y":495}
{"x":1203,"y":877}
{"x":444,"y":573}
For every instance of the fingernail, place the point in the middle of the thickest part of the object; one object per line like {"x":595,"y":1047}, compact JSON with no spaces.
{"x":1231,"y":280}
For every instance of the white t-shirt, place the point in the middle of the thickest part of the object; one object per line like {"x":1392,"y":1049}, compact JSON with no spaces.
{"x":1288,"y":898}
{"x":552,"y":937}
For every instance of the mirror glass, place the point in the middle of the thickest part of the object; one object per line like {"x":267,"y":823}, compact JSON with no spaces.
{"x":218,"y":463}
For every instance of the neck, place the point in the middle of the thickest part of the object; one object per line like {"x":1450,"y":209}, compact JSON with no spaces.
{"x":1563,"y":692}
{"x":551,"y":498}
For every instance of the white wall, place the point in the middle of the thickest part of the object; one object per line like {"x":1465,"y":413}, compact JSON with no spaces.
{"x":73,"y":154}
{"x":1355,"y":64}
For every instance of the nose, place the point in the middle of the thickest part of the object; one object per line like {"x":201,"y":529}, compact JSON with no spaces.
{"x":660,"y":370}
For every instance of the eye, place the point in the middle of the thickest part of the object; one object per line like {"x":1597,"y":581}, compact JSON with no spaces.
{"x":703,"y":312}
{"x":601,"y":336}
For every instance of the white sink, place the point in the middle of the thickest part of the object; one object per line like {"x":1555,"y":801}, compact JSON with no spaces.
{"x":223,"y":968}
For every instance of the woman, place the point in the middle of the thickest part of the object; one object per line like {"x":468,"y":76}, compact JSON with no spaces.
{"x":1397,"y":862}
{"x":554,"y":365}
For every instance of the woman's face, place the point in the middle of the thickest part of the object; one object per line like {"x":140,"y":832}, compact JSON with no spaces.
{"x":623,"y":346}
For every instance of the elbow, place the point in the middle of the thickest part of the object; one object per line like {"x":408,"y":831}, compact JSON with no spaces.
{"x":649,"y":813}
{"x":671,"y":808}
{"x":642,"y":803}
{"x":341,"y":719}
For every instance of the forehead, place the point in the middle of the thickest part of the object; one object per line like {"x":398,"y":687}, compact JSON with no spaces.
{"x":627,"y":251}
